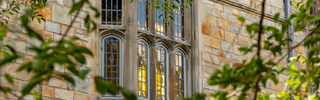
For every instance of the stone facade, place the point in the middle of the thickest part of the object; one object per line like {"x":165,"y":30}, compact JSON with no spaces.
{"x":222,"y":34}
{"x":214,"y":36}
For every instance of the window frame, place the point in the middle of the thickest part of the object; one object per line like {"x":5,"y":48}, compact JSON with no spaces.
{"x":148,"y":63}
{"x":165,"y":32}
{"x":103,"y":26}
{"x":111,"y":35}
{"x":147,"y":16}
{"x":184,"y":58}
{"x":167,"y":70}
{"x":183,"y":35}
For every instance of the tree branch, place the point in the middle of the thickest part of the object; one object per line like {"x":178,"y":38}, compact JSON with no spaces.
{"x":304,"y":39}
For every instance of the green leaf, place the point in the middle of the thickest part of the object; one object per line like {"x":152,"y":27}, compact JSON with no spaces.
{"x":83,"y":73}
{"x":68,"y":78}
{"x":128,"y":94}
{"x":103,"y":86}
{"x":79,"y":57}
{"x":9,"y":78}
{"x":76,"y":7}
{"x":3,"y":31}
{"x":276,"y":17}
{"x":241,"y":19}
{"x":31,"y":85}
{"x":37,"y":95}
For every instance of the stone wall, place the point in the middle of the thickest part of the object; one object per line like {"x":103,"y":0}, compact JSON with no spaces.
{"x":221,"y":34}
{"x":57,"y":21}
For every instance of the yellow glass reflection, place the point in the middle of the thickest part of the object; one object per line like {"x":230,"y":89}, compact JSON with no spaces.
{"x":159,"y":28}
{"x":142,"y":73}
{"x":161,"y":80}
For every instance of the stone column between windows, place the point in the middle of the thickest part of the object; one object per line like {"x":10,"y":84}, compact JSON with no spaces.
{"x":171,"y":79}
{"x":152,"y":55}
{"x":130,"y":52}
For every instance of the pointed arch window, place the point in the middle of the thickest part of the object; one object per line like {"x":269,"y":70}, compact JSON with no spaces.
{"x":112,"y":60}
{"x":179,"y":21}
{"x":161,"y":73}
{"x":111,"y":12}
{"x":143,"y":15}
{"x":179,"y":70}
{"x":143,"y":69}
{"x":161,"y":27}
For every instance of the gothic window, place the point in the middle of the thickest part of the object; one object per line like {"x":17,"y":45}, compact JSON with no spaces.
{"x":179,"y":75}
{"x":179,"y":21}
{"x":143,"y":14}
{"x":160,"y":26}
{"x":161,"y":73}
{"x":111,"y":59}
{"x":143,"y":69}
{"x":111,"y":12}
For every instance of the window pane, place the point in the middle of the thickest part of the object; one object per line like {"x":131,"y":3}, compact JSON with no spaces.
{"x":142,"y":14}
{"x":179,"y":21}
{"x":112,"y":12}
{"x":179,"y":76}
{"x":112,"y":60}
{"x":143,"y":69}
{"x":161,"y":74}
{"x":161,"y":28}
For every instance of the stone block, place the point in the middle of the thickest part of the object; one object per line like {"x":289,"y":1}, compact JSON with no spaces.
{"x":52,"y":27}
{"x":12,"y":68}
{"x":81,"y":96}
{"x":45,"y":12}
{"x":215,"y":13}
{"x":218,"y":6}
{"x":234,"y":57}
{"x":277,"y":3}
{"x":227,"y":10}
{"x":235,"y":12}
{"x":224,"y":16}
{"x":299,"y":49}
{"x":207,"y":49}
{"x":20,"y":46}
{"x":243,"y":41}
{"x":207,"y":10}
{"x":214,"y":43}
{"x":235,"y":28}
{"x":208,"y":2}
{"x":206,"y":57}
{"x":232,"y":19}
{"x":82,"y":37}
{"x":60,"y":14}
{"x":220,"y":53}
{"x":80,"y":85}
{"x":225,"y":61}
{"x":206,"y":30}
{"x":218,"y":33}
{"x":64,"y":29}
{"x":204,"y":19}
{"x":224,"y":24}
{"x":226,"y":46}
{"x":46,"y":35}
{"x":22,"y":84}
{"x":47,"y":91}
{"x":5,"y":83}
{"x":231,"y":37}
{"x":236,"y":49}
{"x":58,"y":1}
{"x":63,"y":94}
{"x":58,"y":83}
{"x":35,"y":24}
{"x":212,"y":21}
{"x":28,"y":97}
{"x":246,"y":2}
{"x":81,"y":43}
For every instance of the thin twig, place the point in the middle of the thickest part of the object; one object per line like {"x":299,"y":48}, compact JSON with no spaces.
{"x":305,"y":38}
{"x":233,"y":93}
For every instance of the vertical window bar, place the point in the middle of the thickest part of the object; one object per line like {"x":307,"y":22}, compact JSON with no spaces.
{"x":143,"y":69}
{"x":179,"y":75}
{"x":161,"y":74}
{"x":179,"y":21}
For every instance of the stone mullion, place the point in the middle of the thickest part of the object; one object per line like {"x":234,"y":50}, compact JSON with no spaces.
{"x":152,"y":76}
{"x":194,"y":14}
{"x":171,"y":75}
{"x":170,"y":25}
{"x":130,"y":50}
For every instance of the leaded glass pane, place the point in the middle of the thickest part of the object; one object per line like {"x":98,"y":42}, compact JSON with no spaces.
{"x":161,"y":28}
{"x":179,"y":21}
{"x":112,"y":60}
{"x":143,"y":14}
{"x":179,"y":76}
{"x":142,"y":69}
{"x":161,"y":74}
{"x":112,"y":12}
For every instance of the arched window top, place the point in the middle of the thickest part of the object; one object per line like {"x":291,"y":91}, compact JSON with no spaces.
{"x":179,"y":76}
{"x":111,"y":12}
{"x":161,"y":73}
{"x":143,"y":69}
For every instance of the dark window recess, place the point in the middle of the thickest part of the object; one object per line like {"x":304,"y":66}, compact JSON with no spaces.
{"x":112,"y":60}
{"x":161,"y":27}
{"x":111,"y":12}
{"x":179,"y":21}
{"x":143,"y":15}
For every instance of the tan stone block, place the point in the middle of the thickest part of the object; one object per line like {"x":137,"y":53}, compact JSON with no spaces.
{"x":5,"y":83}
{"x":218,"y":7}
{"x":12,"y":70}
{"x":47,"y":91}
{"x":207,"y":49}
{"x":235,"y":12}
{"x":81,"y":43}
{"x":218,"y":33}
{"x":46,"y":12}
{"x":65,"y":27}
{"x":236,"y":50}
{"x":204,"y":19}
{"x":230,"y":37}
{"x":212,"y":21}
{"x":206,"y":57}
{"x":206,"y":30}
{"x":233,"y":19}
{"x":63,"y":94}
{"x":81,"y":96}
{"x":224,"y":24}
{"x":216,"y":13}
{"x":236,"y":65}
{"x":60,"y":14}
{"x":215,"y":43}
{"x":35,"y":24}
{"x":224,"y":16}
{"x":246,"y":2}
{"x":226,"y":61}
{"x":243,"y":41}
{"x":277,"y":3}
{"x":299,"y":49}
{"x":45,"y":34}
{"x":207,"y":10}
{"x":20,"y":46}
{"x":220,"y":53}
{"x":58,"y":83}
